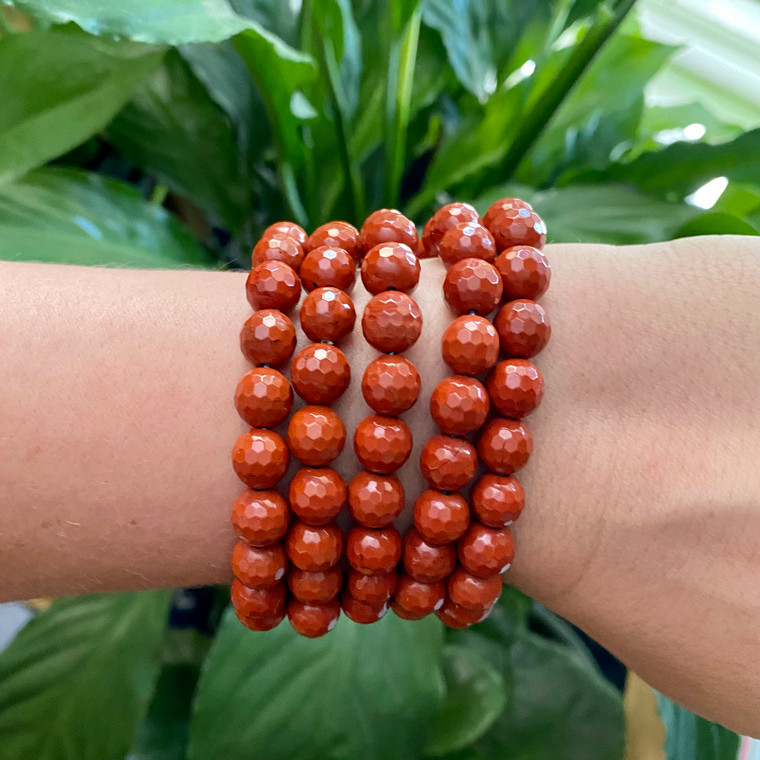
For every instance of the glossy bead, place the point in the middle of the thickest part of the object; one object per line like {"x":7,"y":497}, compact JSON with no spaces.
{"x":278,"y":248}
{"x":316,"y":435}
{"x":523,"y":327}
{"x":469,"y":240}
{"x":459,"y":404}
{"x":337,"y":235}
{"x":320,"y":373}
{"x":375,"y":500}
{"x":392,"y":321}
{"x":273,"y":285}
{"x":454,"y":616}
{"x":515,"y":387}
{"x":518,"y":226}
{"x":268,"y":337}
{"x":317,"y":495}
{"x":403,"y":613}
{"x":427,"y":562}
{"x":257,"y":602}
{"x":447,"y":463}
{"x":391,"y":384}
{"x":263,"y":622}
{"x":373,"y":551}
{"x":327,"y":314}
{"x":315,"y":619}
{"x":471,"y":592}
{"x":325,"y":266}
{"x":505,"y":445}
{"x":372,"y":589}
{"x":497,"y":500}
{"x":382,"y":444}
{"x":360,"y":612}
{"x":472,"y":285}
{"x":285,"y":229}
{"x":445,"y":218}
{"x":314,"y":547}
{"x":485,"y":551}
{"x":390,"y":266}
{"x":418,"y":598}
{"x":470,"y":345}
{"x":502,"y":205}
{"x":315,"y":586}
{"x":441,"y":517}
{"x":387,"y":226}
{"x":263,"y":397}
{"x":258,"y":567}
{"x":260,"y":458}
{"x":260,"y":517}
{"x":525,"y":272}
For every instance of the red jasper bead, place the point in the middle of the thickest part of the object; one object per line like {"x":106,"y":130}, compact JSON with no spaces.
{"x":459,"y":405}
{"x":325,"y":266}
{"x":316,"y":435}
{"x":257,"y":602}
{"x":258,"y":567}
{"x":515,"y":387}
{"x":525,"y":272}
{"x":278,"y":248}
{"x":471,"y":592}
{"x":337,"y":235}
{"x":273,"y":285}
{"x":327,"y":314}
{"x":518,"y":226}
{"x":441,"y":517}
{"x":497,"y":500}
{"x":315,"y":586}
{"x":501,"y":206}
{"x":390,"y":266}
{"x":418,"y":598}
{"x":362,"y":612}
{"x":382,"y":444}
{"x":260,"y":517}
{"x":486,"y":551}
{"x":454,"y":616}
{"x":505,"y":445}
{"x":372,"y":589}
{"x":317,"y":495}
{"x":263,"y":622}
{"x":523,"y":327}
{"x":392,"y":322}
{"x":447,"y":463}
{"x":391,"y":384}
{"x":285,"y":229}
{"x":470,"y":345}
{"x":373,"y":551}
{"x":403,"y":613}
{"x":263,"y":397}
{"x":375,"y":500}
{"x":268,"y":337}
{"x":320,"y":373}
{"x":445,"y":218}
{"x":314,"y":548}
{"x":470,"y":240}
{"x":260,"y":458}
{"x":387,"y":226}
{"x":313,"y":619}
{"x":472,"y":285}
{"x":427,"y":562}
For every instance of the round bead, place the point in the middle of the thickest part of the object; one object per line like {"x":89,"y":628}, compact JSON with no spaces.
{"x":427,"y":562}
{"x":518,"y":226}
{"x":454,"y":616}
{"x":337,"y":235}
{"x":523,"y":327}
{"x":314,"y":547}
{"x":469,"y":240}
{"x":362,"y":612}
{"x":327,"y":314}
{"x":260,"y":458}
{"x":447,"y":463}
{"x":263,"y":622}
{"x":278,"y":248}
{"x":263,"y":397}
{"x":373,"y":551}
{"x":418,"y":598}
{"x":525,"y":272}
{"x":258,"y":567}
{"x":260,"y":517}
{"x":445,"y":218}
{"x":441,"y":517}
{"x":372,"y":589}
{"x":515,"y":387}
{"x":497,"y":500}
{"x":472,"y":285}
{"x":315,"y":619}
{"x":459,"y":405}
{"x":317,"y":495}
{"x":325,"y":266}
{"x":392,"y":322}
{"x":387,"y":226}
{"x":471,"y":592}
{"x":285,"y":229}
{"x":268,"y":337}
{"x":320,"y":373}
{"x":390,"y":266}
{"x":505,"y":445}
{"x":316,"y":435}
{"x":502,"y":205}
{"x":486,"y":551}
{"x":470,"y":345}
{"x":391,"y":384}
{"x":382,"y":444}
{"x":315,"y":586}
{"x":257,"y":602}
{"x":375,"y":500}
{"x":403,"y":613}
{"x":273,"y":285}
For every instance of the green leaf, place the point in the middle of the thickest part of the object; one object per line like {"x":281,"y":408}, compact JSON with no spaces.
{"x":716,"y":223}
{"x":58,"y":89}
{"x":359,"y":692}
{"x":76,"y":681}
{"x":75,"y":217}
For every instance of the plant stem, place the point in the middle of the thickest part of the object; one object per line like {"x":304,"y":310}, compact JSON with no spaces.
{"x":158,"y":196}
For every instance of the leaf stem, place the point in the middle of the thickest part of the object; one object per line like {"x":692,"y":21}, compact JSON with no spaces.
{"x":158,"y":196}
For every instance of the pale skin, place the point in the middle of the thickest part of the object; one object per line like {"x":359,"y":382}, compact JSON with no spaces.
{"x":642,"y":524}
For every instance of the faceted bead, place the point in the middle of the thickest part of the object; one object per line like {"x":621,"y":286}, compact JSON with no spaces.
{"x":325,"y":266}
{"x":263,"y":622}
{"x":268,"y":337}
{"x":418,"y":598}
{"x":273,"y":285}
{"x":390,"y":266}
{"x":497,"y":500}
{"x":485,"y":551}
{"x":387,"y":226}
{"x":392,"y":321}
{"x":278,"y":248}
{"x":523,"y":328}
{"x":373,"y":551}
{"x":320,"y":373}
{"x":445,"y":218}
{"x":258,"y":567}
{"x":285,"y":229}
{"x":260,"y":517}
{"x":447,"y":463}
{"x":470,"y":345}
{"x":518,"y":226}
{"x":327,"y":314}
{"x":471,"y":592}
{"x":459,"y":405}
{"x":314,"y":547}
{"x":427,"y":562}
{"x":391,"y":384}
{"x":499,"y":207}
{"x":375,"y":500}
{"x":505,"y":445}
{"x":469,"y":240}
{"x":263,"y":397}
{"x":515,"y":387}
{"x":382,"y":444}
{"x":403,"y":613}
{"x":372,"y":589}
{"x":315,"y":586}
{"x":472,"y":285}
{"x":260,"y":458}
{"x":337,"y":235}
{"x":441,"y":517}
{"x":316,"y":435}
{"x":315,"y":619}
{"x":454,"y":616}
{"x":257,"y":602}
{"x":362,"y":612}
{"x":525,"y":272}
{"x":317,"y":495}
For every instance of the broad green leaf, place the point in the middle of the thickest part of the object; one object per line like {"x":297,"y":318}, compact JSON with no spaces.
{"x":76,"y":681}
{"x":75,"y":217}
{"x":716,"y":223}
{"x":739,"y":199}
{"x":58,"y":89}
{"x":359,"y":692}
{"x":280,"y":18}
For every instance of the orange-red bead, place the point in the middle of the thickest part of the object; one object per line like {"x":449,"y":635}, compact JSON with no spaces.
{"x":325,"y":266}
{"x":337,"y":235}
{"x":447,"y":463}
{"x":387,"y":226}
{"x":382,"y":444}
{"x":390,"y":266}
{"x":317,"y":495}
{"x":501,"y":206}
{"x":260,"y":458}
{"x":445,"y":218}
{"x":263,"y":622}
{"x":497,"y":500}
{"x":505,"y":445}
{"x":373,"y":551}
{"x":320,"y":373}
{"x":470,"y":345}
{"x":403,"y":613}
{"x":360,"y":612}
{"x":258,"y":567}
{"x":268,"y":337}
{"x":278,"y":248}
{"x":392,"y":321}
{"x":515,"y":387}
{"x":418,"y":598}
{"x":263,"y":397}
{"x":391,"y":384}
{"x":525,"y":272}
{"x":316,"y":435}
{"x":257,"y":602}
{"x":441,"y":517}
{"x":523,"y":327}
{"x":459,"y":405}
{"x":454,"y":616}
{"x":471,"y":592}
{"x":469,"y":240}
{"x":260,"y":517}
{"x":472,"y":285}
{"x":517,"y":226}
{"x":313,"y":619}
{"x":315,"y":586}
{"x":314,"y":547}
{"x":375,"y":500}
{"x":371,"y":589}
{"x":273,"y":285}
{"x":486,"y":551}
{"x":327,"y":314}
{"x":285,"y":229}
{"x":425,"y":561}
